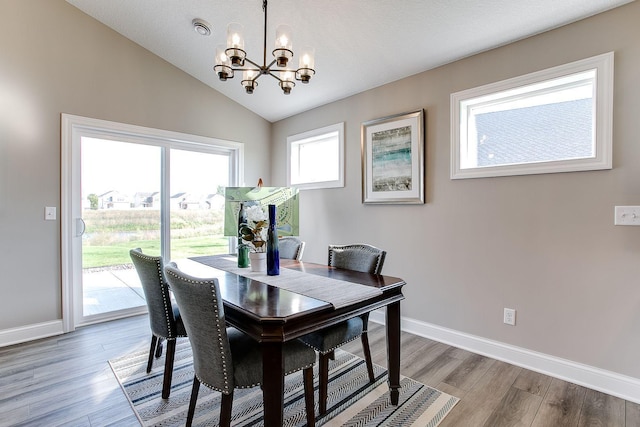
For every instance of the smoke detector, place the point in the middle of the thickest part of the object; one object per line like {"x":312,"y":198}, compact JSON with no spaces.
{"x":201,"y":27}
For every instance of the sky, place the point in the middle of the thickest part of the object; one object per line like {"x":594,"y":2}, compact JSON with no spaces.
{"x":129,"y":168}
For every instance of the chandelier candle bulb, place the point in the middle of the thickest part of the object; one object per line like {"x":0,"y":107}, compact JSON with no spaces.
{"x":249,"y":80}
{"x":283,"y":51}
{"x":223,"y":64}
{"x":287,"y":82}
{"x":235,"y":44}
{"x":305,"y":69}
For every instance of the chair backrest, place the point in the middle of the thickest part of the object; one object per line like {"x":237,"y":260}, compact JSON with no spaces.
{"x":358,"y":257}
{"x":291,"y":248}
{"x":156,"y":292}
{"x":202,"y":313}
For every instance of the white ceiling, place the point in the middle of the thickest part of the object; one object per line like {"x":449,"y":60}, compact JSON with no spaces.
{"x":359,"y":44}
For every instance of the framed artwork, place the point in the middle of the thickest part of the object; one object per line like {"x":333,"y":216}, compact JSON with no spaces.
{"x":393,"y":159}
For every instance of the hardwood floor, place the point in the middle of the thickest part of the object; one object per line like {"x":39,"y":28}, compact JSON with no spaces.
{"x":66,"y":380}
{"x":495,"y":393}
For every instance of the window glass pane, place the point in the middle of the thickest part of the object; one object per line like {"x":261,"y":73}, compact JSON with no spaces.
{"x":121,"y":211}
{"x":555,"y":120}
{"x":316,"y":158}
{"x":540,"y":123}
{"x":558,"y":131}
{"x":197,"y":182}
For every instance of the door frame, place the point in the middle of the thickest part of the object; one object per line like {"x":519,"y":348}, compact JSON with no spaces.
{"x":73,"y":128}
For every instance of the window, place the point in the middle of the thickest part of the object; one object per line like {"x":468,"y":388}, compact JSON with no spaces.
{"x":555,"y":120}
{"x":316,"y":158}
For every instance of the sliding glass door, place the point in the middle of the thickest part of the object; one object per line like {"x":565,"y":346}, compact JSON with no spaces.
{"x":127,"y":189}
{"x":120,"y":182}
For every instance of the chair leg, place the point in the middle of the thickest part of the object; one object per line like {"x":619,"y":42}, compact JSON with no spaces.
{"x":154,"y":341}
{"x":225,"y":409}
{"x":323,"y":380}
{"x":168,"y":368}
{"x":159,"y":348}
{"x":193,"y":400}
{"x":308,"y":397}
{"x":365,"y":346}
{"x":367,"y":355}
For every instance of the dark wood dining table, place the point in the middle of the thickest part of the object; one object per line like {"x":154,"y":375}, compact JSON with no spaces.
{"x":272,"y":316}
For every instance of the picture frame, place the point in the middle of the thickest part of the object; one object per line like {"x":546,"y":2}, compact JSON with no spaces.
{"x":393,"y":151}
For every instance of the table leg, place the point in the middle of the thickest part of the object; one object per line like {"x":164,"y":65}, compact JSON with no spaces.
{"x":273,"y":383}
{"x":393,"y":350}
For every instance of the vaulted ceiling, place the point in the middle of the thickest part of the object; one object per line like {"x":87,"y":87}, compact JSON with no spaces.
{"x":359,"y":44}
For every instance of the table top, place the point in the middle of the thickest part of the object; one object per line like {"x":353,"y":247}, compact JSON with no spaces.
{"x":262,"y":301}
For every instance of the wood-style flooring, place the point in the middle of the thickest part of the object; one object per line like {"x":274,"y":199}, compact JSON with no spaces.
{"x":66,"y":381}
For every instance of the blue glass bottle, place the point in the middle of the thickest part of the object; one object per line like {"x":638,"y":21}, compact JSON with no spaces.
{"x":273,"y":254}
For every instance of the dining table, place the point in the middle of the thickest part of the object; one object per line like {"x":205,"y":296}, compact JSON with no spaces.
{"x":305,"y":297}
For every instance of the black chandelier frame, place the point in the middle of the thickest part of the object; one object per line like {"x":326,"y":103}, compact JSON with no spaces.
{"x":278,"y":65}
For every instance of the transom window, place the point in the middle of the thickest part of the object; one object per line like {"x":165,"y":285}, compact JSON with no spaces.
{"x":555,"y":120}
{"x":316,"y":158}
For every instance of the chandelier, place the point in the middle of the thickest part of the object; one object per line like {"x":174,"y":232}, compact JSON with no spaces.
{"x":232,"y":58}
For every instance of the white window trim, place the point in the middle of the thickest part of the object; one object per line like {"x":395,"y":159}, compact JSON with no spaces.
{"x":338,"y":127}
{"x":603,"y":64}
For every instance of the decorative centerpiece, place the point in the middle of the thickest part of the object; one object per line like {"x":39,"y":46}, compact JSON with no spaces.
{"x":253,"y":234}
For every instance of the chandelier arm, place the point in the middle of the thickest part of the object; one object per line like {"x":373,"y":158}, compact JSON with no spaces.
{"x":247,"y":69}
{"x":270,"y":72}
{"x":284,"y":70}
{"x":258,"y":68}
{"x":268,"y":67}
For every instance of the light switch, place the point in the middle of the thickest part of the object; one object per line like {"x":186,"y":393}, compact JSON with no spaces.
{"x":50,"y":213}
{"x":627,"y":215}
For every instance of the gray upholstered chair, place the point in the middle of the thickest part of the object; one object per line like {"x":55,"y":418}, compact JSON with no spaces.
{"x":358,"y":257}
{"x":291,"y":248}
{"x":164,"y":318}
{"x":225,"y":358}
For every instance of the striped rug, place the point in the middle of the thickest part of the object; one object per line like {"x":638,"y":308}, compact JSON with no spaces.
{"x":353,"y":401}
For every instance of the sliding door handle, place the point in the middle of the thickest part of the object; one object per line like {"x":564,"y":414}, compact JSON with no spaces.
{"x":80,"y":227}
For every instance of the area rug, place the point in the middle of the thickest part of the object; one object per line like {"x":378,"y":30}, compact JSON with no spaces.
{"x":352,"y":401}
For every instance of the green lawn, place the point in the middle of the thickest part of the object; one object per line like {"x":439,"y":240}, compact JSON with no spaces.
{"x":118,"y":254}
{"x":110,"y":234}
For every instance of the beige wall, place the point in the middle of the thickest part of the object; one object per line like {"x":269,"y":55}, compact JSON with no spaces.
{"x":54,"y":59}
{"x":542,"y":244}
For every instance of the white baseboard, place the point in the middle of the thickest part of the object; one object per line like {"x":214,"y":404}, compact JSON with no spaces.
{"x":608,"y":382}
{"x":30,"y":332}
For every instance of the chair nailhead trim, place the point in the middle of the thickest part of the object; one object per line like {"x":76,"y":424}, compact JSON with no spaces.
{"x":368,"y":248}
{"x":227,"y":389}
{"x":332,"y":348}
{"x":165,"y":290}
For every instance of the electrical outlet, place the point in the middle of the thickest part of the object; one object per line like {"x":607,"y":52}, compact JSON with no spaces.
{"x":509,"y":316}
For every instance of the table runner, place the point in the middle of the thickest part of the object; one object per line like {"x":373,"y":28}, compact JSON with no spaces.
{"x":336,"y":292}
